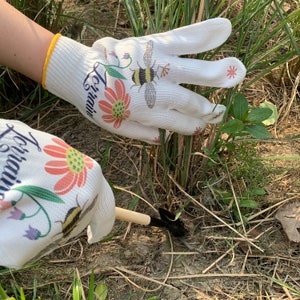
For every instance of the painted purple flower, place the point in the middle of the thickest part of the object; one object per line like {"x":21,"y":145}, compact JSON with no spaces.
{"x":113,"y":53}
{"x":32,"y":233}
{"x":126,"y":55}
{"x":17,"y":214}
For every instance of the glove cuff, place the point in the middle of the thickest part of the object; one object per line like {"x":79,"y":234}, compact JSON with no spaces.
{"x":66,"y":67}
{"x":47,"y":59}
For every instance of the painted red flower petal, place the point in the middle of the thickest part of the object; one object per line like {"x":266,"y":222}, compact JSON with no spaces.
{"x":65,"y":184}
{"x":120,"y":89}
{"x":110,"y":95}
{"x":89,"y":163}
{"x":105,"y":106}
{"x":126,"y":101}
{"x":56,"y":167}
{"x":117,"y":123}
{"x":108,"y":118}
{"x":55,"y":151}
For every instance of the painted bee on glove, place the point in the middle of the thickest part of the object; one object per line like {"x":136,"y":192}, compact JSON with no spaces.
{"x":145,"y":76}
{"x":70,"y":222}
{"x":73,"y":216}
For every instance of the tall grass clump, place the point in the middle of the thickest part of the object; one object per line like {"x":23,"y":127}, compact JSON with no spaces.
{"x":265,"y":37}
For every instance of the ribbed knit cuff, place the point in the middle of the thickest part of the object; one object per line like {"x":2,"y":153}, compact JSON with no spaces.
{"x":66,"y":67}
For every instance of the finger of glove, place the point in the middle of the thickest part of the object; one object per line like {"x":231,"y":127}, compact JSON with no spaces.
{"x":145,"y":128}
{"x":225,"y":73}
{"x":135,"y":130}
{"x":173,"y":120}
{"x":195,"y":38}
{"x":170,"y":96}
{"x":191,"y":39}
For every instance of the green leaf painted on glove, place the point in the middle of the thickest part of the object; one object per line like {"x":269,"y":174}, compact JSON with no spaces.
{"x":259,"y":114}
{"x":233,"y":126}
{"x":258,"y":131}
{"x":113,"y":72}
{"x":240,"y":107}
{"x":39,"y":192}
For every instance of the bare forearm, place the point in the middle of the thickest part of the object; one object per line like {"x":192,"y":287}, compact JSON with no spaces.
{"x":23,"y":43}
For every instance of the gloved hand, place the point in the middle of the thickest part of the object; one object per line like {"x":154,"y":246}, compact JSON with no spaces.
{"x":132,"y":86}
{"x":49,"y":192}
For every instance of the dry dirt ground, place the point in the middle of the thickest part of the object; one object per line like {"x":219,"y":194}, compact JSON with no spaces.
{"x":211,"y":261}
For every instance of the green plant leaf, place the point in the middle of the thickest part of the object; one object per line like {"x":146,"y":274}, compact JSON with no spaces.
{"x":246,"y":203}
{"x":258,"y":131}
{"x":259,"y":114}
{"x":232,"y":126}
{"x":230,"y":146}
{"x":91,"y":286}
{"x":76,"y":289}
{"x":237,"y":216}
{"x":255,"y":192}
{"x":3,"y":294}
{"x":22,"y":295}
{"x":101,"y":291}
{"x":240,"y":107}
{"x":39,"y":192}
{"x":114,"y":73}
{"x":274,"y":116}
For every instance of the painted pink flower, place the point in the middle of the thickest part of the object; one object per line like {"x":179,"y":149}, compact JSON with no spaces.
{"x":5,"y":205}
{"x":126,"y":55}
{"x":156,"y":140}
{"x":70,"y":163}
{"x":113,"y":53}
{"x":197,"y":130}
{"x":116,"y":106}
{"x":231,"y":72}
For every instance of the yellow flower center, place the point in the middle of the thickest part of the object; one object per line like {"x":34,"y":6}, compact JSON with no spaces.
{"x":75,"y":160}
{"x":118,"y":109}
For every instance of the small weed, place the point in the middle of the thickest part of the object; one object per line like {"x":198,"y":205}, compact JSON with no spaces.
{"x":246,"y":120}
{"x":245,"y":204}
{"x":99,"y":292}
{"x":243,"y":189}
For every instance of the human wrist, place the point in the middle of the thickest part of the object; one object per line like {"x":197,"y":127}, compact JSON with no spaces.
{"x":24,"y":43}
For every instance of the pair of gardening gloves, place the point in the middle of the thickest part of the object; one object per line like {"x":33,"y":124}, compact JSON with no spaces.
{"x":49,"y":191}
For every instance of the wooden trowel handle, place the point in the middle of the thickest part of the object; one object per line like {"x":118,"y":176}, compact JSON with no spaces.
{"x":132,"y":216}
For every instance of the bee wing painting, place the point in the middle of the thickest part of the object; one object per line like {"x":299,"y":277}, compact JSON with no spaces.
{"x":148,"y":54}
{"x":150,"y":95}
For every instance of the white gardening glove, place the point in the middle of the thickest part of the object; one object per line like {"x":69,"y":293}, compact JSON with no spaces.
{"x":49,"y":192}
{"x":132,"y":86}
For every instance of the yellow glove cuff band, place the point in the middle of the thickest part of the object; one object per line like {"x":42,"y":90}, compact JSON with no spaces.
{"x":49,"y":53}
